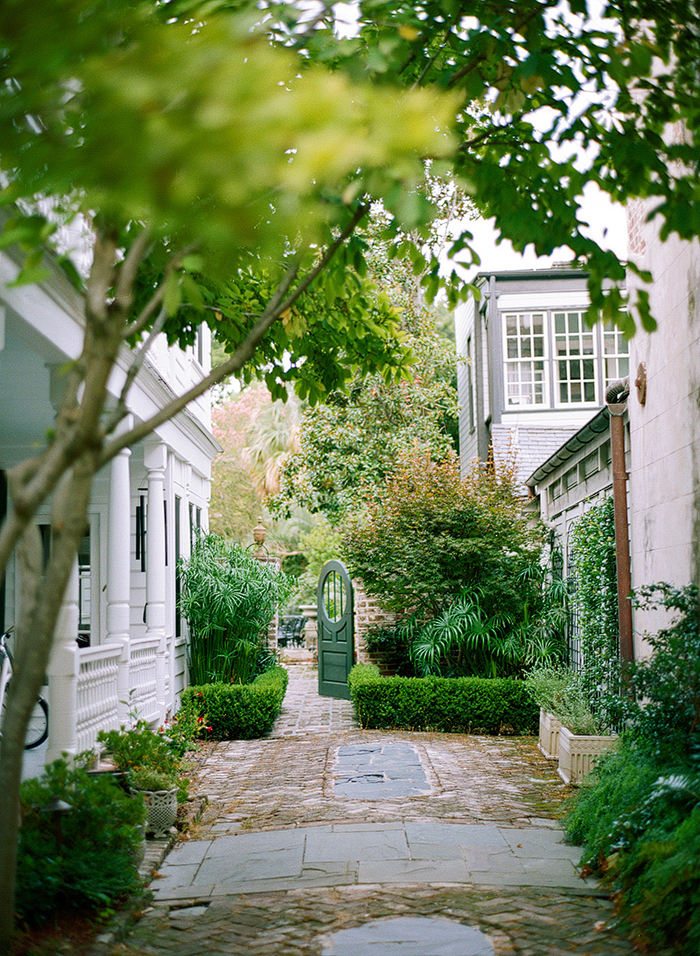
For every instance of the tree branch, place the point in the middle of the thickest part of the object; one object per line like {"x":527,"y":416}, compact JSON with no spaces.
{"x":101,"y":276}
{"x":156,"y":300}
{"x":360,"y":213}
{"x":242,"y":355}
{"x":469,"y":66}
{"x":276,"y":307}
{"x":432,"y":60}
{"x":121,"y":410}
{"x":126,"y":277}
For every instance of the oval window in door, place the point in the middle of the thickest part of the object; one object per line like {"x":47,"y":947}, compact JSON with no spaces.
{"x":334,"y":596}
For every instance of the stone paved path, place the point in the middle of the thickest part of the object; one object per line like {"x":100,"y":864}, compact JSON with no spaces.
{"x":325,"y":840}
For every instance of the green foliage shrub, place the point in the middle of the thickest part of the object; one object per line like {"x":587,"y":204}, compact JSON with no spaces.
{"x":640,"y":822}
{"x":559,"y":691}
{"x":669,"y":680}
{"x":393,"y":644}
{"x":430,"y":536}
{"x":140,"y":746}
{"x":152,"y":760}
{"x":228,"y":598}
{"x":457,"y":705}
{"x":596,"y":602}
{"x":88,"y":860}
{"x":239,"y":711}
{"x":640,"y":826}
{"x":459,"y":562}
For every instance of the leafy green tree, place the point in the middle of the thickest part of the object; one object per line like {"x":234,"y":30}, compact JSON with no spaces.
{"x":431,"y":536}
{"x":555,"y":98}
{"x":221,"y":180}
{"x":349,"y":446}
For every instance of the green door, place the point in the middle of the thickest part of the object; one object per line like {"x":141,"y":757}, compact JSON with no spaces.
{"x":335,"y":630}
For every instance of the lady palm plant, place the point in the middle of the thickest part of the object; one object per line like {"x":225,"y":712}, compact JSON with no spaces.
{"x":472,"y":637}
{"x":228,"y":599}
{"x":465,"y":639}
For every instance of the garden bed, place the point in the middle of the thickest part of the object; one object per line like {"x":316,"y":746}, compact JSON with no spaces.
{"x":449,"y":704}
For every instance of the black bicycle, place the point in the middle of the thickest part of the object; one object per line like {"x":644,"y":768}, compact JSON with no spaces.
{"x":38,"y":729}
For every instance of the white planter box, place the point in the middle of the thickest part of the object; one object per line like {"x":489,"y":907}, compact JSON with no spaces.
{"x":578,"y":754}
{"x":549,"y":735}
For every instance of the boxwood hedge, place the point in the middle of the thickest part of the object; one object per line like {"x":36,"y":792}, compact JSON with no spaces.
{"x":239,"y":711}
{"x":451,"y":704}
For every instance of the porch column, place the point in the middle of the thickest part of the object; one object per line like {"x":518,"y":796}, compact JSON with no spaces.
{"x":119,"y":575}
{"x":155,"y":459}
{"x":63,"y":671}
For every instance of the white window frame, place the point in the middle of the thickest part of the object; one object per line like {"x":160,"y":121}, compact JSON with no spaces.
{"x":607,"y":329}
{"x":570,"y":357}
{"x":521,"y":361}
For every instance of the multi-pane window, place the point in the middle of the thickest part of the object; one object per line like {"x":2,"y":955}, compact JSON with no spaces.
{"x":616,"y":354}
{"x":525,"y":358}
{"x":574,"y":359}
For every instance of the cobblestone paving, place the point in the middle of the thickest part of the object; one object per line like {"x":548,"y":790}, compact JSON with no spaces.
{"x":298,"y":923}
{"x":287,"y":781}
{"x":283,"y":782}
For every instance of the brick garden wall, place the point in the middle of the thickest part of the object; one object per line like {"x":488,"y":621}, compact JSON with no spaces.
{"x":370,"y":613}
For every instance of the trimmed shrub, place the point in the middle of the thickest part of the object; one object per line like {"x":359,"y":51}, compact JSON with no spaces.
{"x":88,"y":860}
{"x":239,"y":711}
{"x":449,"y":704}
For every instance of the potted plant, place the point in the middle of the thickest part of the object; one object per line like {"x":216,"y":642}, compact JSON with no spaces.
{"x":569,"y":731}
{"x":544,"y":685}
{"x":159,"y":789}
{"x":581,"y":742}
{"x":152,"y":765}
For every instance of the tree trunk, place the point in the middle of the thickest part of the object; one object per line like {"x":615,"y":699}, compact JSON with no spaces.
{"x":34,"y":634}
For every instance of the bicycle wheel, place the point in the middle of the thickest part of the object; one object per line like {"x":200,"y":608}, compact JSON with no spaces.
{"x":38,"y":729}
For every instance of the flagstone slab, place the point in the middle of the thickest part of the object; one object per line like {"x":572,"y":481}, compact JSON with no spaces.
{"x":379,"y":771}
{"x":409,"y":936}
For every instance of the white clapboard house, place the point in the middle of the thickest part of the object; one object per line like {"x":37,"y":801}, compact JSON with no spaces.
{"x":120,"y":648}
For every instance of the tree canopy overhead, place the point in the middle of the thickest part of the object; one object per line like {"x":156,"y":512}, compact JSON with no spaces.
{"x":223,"y":178}
{"x":555,"y":96}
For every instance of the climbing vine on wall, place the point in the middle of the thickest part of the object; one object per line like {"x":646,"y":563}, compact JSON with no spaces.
{"x":596,"y":597}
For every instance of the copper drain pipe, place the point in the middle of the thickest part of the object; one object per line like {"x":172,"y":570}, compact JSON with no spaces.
{"x":616,"y":400}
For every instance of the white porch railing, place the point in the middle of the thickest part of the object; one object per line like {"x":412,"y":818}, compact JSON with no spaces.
{"x":97,"y":696}
{"x":142,"y":682}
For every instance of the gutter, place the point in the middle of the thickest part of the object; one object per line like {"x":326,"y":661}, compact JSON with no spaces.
{"x":596,"y":426}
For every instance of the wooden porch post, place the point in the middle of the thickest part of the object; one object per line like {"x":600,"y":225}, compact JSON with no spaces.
{"x":155,"y":460}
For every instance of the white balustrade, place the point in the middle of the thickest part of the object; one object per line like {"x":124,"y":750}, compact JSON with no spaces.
{"x":97,"y":693}
{"x":143,"y":683}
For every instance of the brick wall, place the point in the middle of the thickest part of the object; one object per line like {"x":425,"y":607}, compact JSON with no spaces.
{"x":636,"y":214}
{"x":370,"y":613}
